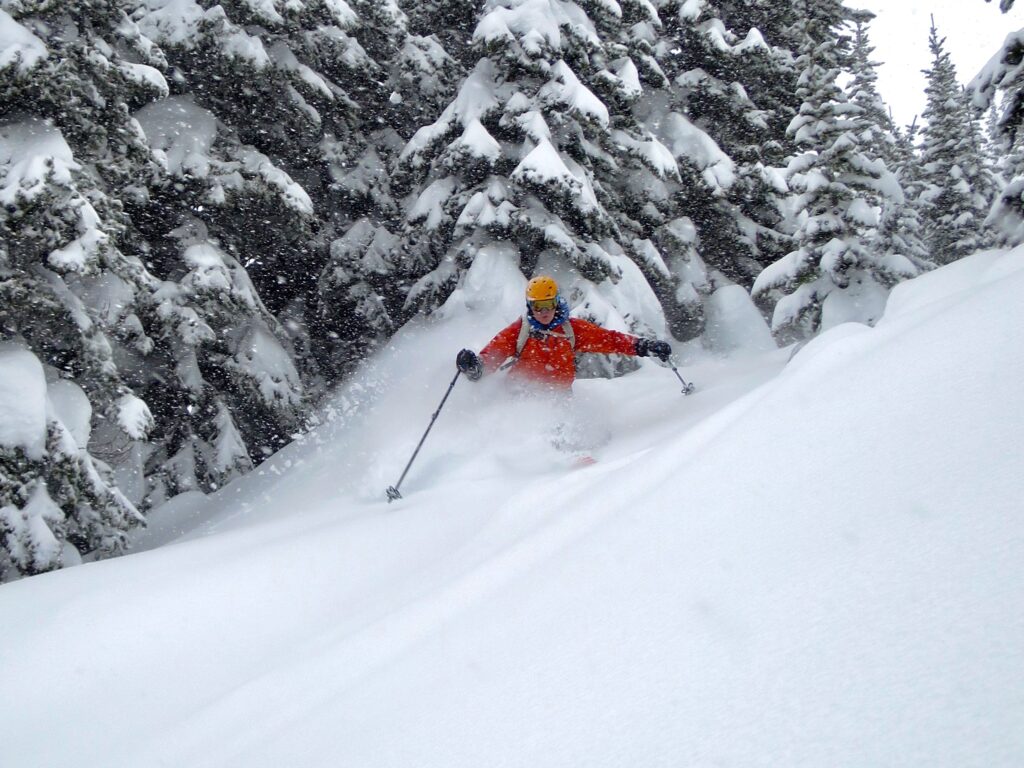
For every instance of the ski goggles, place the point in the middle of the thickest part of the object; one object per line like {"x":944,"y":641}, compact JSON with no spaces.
{"x":540,"y":305}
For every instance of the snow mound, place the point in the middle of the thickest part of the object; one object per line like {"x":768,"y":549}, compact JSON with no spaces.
{"x":22,"y":400}
{"x":19,"y":45}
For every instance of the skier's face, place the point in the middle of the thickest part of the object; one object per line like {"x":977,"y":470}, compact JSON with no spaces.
{"x":544,"y":310}
{"x":544,"y":316}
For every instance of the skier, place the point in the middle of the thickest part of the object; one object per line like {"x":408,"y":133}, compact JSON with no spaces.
{"x":540,"y":347}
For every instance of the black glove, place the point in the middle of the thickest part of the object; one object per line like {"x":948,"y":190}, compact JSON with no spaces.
{"x":653,"y":347}
{"x":468,"y":362}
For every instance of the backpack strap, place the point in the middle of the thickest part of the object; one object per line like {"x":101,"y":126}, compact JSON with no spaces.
{"x":524,"y":335}
{"x":569,"y":333}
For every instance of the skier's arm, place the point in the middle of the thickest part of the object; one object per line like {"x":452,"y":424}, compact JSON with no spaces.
{"x":500,"y":348}
{"x":594,"y":338}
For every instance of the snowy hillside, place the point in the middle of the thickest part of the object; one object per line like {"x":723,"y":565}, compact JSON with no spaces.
{"x":817,"y":562}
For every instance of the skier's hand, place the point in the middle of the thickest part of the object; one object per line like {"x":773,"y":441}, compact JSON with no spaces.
{"x":654,"y":348}
{"x":468,"y":362}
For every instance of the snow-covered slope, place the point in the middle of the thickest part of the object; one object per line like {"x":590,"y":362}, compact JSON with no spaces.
{"x":818,"y":563}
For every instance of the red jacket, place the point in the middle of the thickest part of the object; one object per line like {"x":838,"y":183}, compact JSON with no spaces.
{"x":550,"y":360}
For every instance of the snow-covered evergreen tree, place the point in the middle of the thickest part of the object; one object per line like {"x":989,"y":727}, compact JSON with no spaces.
{"x":264,"y":80}
{"x":211,"y":182}
{"x":834,"y":274}
{"x":900,"y":228}
{"x":1007,"y":215}
{"x":70,"y":159}
{"x":57,"y":502}
{"x":450,"y":23}
{"x":361,"y":289}
{"x":513,"y":171}
{"x":992,"y":141}
{"x":958,"y":187}
{"x":1000,"y":85}
{"x":90,"y":271}
{"x":565,"y":149}
{"x":863,"y":86}
{"x":773,"y":84}
{"x":307,"y":104}
{"x":724,"y":140}
{"x":239,"y":395}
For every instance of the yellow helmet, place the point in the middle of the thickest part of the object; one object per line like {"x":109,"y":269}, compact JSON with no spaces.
{"x":541,"y":288}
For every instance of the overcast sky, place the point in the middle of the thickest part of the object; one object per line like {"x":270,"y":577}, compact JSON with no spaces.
{"x":974,"y":31}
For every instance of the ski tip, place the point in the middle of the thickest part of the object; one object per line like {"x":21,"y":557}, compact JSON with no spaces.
{"x":584,"y":461}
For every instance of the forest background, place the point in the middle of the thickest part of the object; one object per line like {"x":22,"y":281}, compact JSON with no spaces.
{"x":211,"y":213}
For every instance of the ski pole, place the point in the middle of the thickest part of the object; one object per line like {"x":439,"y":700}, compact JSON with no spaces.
{"x":392,"y":490}
{"x":687,"y":387}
